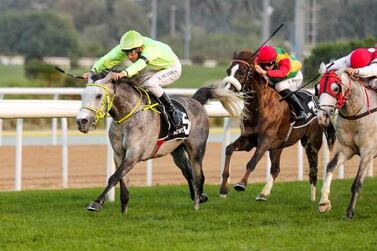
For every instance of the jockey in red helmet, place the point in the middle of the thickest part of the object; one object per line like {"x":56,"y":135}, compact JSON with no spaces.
{"x":361,"y":62}
{"x":145,"y":52}
{"x":284,"y":71}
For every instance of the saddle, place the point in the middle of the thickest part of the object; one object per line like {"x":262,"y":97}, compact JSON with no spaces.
{"x":167,"y":131}
{"x":310,"y":104}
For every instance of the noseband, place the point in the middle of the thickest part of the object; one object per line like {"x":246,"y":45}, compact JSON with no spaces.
{"x":235,"y":82}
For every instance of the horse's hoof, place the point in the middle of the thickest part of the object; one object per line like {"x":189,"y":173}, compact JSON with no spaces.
{"x":349,"y":215}
{"x":261,"y":197}
{"x":94,"y":206}
{"x":196,"y":206}
{"x":324,"y":207}
{"x":224,"y":190}
{"x":223,"y":195}
{"x":203,"y":198}
{"x":240,"y":187}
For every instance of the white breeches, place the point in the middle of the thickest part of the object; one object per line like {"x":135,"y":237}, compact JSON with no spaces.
{"x":291,"y":83}
{"x":163,"y":78}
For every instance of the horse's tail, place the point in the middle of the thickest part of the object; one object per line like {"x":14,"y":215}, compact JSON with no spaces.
{"x":229,"y":99}
{"x":330,"y":135}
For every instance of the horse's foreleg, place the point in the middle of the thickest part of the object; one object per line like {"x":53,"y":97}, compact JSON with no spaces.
{"x":364,"y":165}
{"x":339,"y":158}
{"x":124,"y":168}
{"x":274,"y":170}
{"x":259,"y":152}
{"x":241,"y":144}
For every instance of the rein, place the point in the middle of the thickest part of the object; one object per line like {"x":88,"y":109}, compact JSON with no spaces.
{"x":108,"y":100}
{"x":358,"y":116}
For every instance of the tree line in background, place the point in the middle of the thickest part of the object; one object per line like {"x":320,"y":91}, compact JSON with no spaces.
{"x":89,"y":28}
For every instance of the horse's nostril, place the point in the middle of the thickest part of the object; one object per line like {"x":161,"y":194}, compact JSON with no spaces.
{"x":82,"y":121}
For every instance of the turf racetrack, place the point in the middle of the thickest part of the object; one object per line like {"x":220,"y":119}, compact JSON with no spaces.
{"x":163,"y":218}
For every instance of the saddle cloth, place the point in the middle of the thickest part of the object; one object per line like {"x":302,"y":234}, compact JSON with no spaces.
{"x":167,"y":131}
{"x":310,"y":104}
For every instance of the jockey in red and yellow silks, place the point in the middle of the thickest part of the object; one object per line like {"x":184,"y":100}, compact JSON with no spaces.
{"x":287,"y":66}
{"x":284,"y":71}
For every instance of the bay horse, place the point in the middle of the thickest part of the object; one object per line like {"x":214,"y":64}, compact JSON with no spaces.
{"x":355,"y":128}
{"x":134,"y":133}
{"x":268,"y":125}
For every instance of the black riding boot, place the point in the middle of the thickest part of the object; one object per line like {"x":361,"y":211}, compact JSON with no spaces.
{"x":175,"y":115}
{"x":295,"y":103}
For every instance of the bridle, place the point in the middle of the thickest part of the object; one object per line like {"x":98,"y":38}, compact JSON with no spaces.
{"x":108,"y":99}
{"x":325,"y":86}
{"x":235,"y":82}
{"x":326,"y":83}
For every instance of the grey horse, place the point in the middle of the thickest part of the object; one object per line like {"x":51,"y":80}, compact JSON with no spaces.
{"x":355,"y":128}
{"x":135,"y":130}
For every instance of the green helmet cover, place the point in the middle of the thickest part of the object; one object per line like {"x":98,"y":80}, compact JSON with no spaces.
{"x":130,"y":40}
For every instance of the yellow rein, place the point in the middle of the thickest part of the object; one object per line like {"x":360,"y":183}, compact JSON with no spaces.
{"x":109,"y":101}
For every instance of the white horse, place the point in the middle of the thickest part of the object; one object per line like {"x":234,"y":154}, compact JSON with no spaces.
{"x":355,"y":128}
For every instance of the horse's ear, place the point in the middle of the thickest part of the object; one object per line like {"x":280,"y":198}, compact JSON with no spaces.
{"x":234,"y":54}
{"x":322,"y":68}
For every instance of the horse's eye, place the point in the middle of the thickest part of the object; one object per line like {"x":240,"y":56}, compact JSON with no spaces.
{"x":99,"y":96}
{"x":228,"y":71}
{"x":335,"y":88}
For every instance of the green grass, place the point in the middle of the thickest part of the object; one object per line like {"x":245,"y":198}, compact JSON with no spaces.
{"x":162,"y":218}
{"x":197,"y":76}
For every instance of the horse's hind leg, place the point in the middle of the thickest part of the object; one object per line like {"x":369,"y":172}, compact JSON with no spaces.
{"x":241,"y":144}
{"x":124,"y":194}
{"x":196,"y":158}
{"x":364,"y":165}
{"x":182,"y":161}
{"x":312,"y":146}
{"x":274,"y":171}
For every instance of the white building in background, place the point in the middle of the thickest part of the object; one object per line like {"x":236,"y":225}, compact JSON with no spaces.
{"x":13,"y":60}
{"x":59,"y":61}
{"x":86,"y":62}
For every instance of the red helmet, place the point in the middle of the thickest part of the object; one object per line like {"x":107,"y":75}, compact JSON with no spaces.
{"x":360,"y":58}
{"x":267,"y":54}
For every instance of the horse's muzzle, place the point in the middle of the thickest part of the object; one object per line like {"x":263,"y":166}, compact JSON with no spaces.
{"x":323,"y":118}
{"x":83,"y":125}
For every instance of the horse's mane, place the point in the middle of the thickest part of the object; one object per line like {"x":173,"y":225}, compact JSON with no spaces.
{"x":251,"y":99}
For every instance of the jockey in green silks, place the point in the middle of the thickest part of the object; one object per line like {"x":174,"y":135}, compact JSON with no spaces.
{"x":145,"y":52}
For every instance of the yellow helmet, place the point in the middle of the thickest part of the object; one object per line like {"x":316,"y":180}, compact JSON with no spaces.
{"x":131,"y":39}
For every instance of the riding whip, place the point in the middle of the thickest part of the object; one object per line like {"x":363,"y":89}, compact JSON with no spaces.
{"x":311,"y":80}
{"x":69,"y":74}
{"x":273,"y":34}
